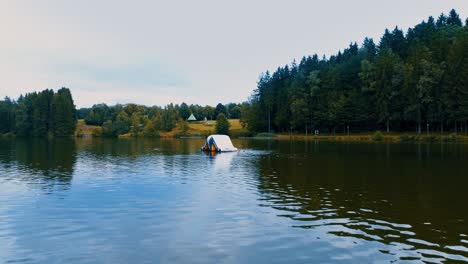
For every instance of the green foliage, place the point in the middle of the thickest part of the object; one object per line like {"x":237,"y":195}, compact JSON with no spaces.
{"x":7,"y":115}
{"x":208,"y":112}
{"x":234,"y":111}
{"x":23,"y":124}
{"x":450,"y":138}
{"x":149,"y":130}
{"x":39,"y":114}
{"x":378,"y":136}
{"x":108,"y":129}
{"x":407,"y":81}
{"x":222,"y":124}
{"x":407,"y":138}
{"x":168,"y":118}
{"x":220,"y":108}
{"x":184,"y":111}
{"x":82,"y":113}
{"x":146,"y":121}
{"x":135,"y":127}
{"x":184,"y":127}
{"x":122,"y":123}
{"x":64,"y":113}
{"x":96,"y":115}
{"x":97,"y":132}
{"x":454,"y":19}
{"x":79,"y":132}
{"x":265,"y":135}
{"x":43,"y":113}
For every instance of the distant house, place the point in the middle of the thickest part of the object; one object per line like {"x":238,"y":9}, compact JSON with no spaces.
{"x":191,"y":118}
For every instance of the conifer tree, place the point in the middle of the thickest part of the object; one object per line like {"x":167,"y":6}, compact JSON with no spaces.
{"x":64,"y":113}
{"x":454,"y":19}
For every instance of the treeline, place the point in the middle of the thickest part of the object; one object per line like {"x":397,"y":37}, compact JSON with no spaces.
{"x":46,"y":113}
{"x":39,"y":114}
{"x":139,"y":120}
{"x":406,"y":82}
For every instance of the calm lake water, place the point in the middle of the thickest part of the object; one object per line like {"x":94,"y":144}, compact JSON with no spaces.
{"x":162,"y":201}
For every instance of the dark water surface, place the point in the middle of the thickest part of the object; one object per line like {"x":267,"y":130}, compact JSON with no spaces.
{"x":162,"y":201}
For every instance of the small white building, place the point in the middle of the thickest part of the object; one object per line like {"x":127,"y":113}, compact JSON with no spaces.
{"x":192,"y":118}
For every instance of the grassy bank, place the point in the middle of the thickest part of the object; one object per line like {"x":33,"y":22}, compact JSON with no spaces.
{"x":83,"y":130}
{"x":376,"y":137}
{"x":195,"y":129}
{"x":202,"y":128}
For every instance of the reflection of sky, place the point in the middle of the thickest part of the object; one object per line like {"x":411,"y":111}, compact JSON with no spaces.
{"x":166,"y":211}
{"x":181,"y":209}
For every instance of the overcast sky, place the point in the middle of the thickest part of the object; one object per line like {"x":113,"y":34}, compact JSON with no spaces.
{"x":157,"y":52}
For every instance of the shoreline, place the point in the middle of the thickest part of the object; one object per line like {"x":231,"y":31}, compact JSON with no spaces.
{"x":373,"y":137}
{"x":359,"y":137}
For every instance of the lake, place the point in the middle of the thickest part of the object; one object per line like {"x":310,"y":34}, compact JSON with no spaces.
{"x":162,"y":201}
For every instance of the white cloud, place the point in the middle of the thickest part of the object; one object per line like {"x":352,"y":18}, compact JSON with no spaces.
{"x":217,"y":48}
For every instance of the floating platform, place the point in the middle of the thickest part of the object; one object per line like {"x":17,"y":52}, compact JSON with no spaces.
{"x":218,"y":143}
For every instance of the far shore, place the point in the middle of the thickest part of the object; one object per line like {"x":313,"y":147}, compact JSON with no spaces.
{"x":376,"y":137}
{"x":202,"y":129}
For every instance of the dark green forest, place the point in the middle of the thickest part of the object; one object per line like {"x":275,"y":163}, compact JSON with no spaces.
{"x":409,"y":81}
{"x":39,"y":114}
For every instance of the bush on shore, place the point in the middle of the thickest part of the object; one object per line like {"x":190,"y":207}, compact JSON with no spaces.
{"x":378,"y":136}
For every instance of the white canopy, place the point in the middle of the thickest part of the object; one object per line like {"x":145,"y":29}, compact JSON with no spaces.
{"x":220,"y":143}
{"x":192,"y":118}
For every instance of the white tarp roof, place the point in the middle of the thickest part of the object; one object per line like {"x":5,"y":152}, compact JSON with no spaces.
{"x":192,"y":118}
{"x":221,"y":142}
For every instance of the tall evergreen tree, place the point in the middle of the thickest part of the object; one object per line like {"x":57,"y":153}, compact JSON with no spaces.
{"x":455,"y":81}
{"x":64,"y":113}
{"x":7,"y":115}
{"x":42,"y":122}
{"x":184,"y":111}
{"x":454,"y":18}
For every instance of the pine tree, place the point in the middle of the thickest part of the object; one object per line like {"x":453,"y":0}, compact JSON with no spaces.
{"x":64,"y":113}
{"x":7,"y":115}
{"x":23,"y":116}
{"x":454,"y":19}
{"x":184,"y":111}
{"x":441,"y":21}
{"x":220,"y":108}
{"x":370,"y":49}
{"x":42,"y":122}
{"x":455,"y":81}
{"x":389,"y":77}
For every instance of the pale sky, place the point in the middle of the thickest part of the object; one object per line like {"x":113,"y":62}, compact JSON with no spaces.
{"x":204,"y":52}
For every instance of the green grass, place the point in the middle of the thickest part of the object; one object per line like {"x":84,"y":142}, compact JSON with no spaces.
{"x":83,"y":130}
{"x":204,"y":128}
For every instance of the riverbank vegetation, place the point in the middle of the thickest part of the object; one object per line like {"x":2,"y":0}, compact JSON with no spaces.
{"x":182,"y":129}
{"x":377,"y":137}
{"x":53,"y":114}
{"x":407,"y":82}
{"x":39,"y":114}
{"x":133,"y":120}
